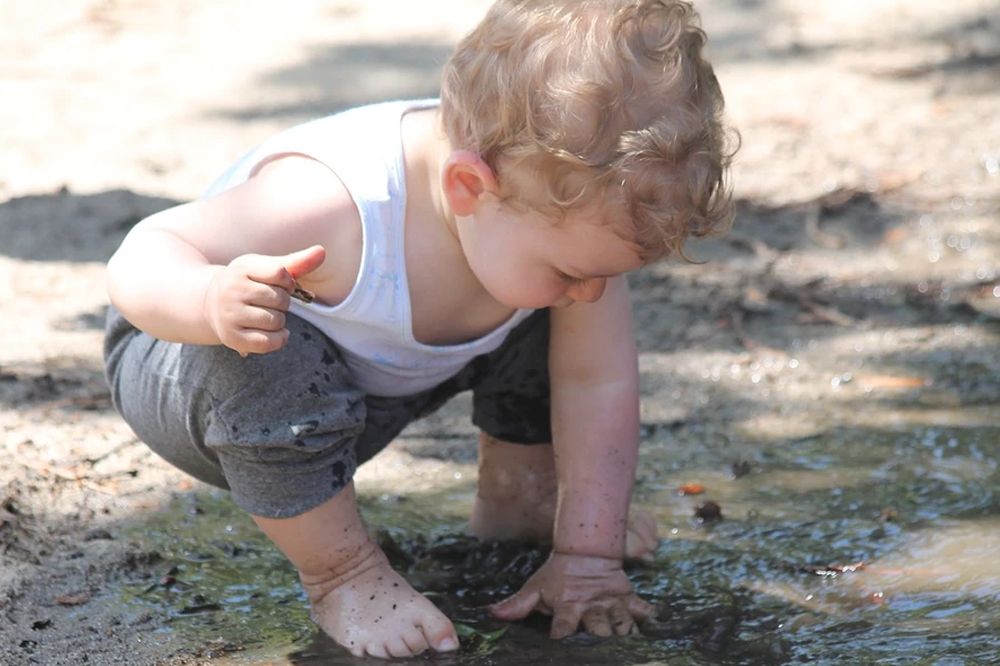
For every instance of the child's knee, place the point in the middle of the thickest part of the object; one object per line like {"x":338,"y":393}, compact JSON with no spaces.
{"x":285,"y":425}
{"x":279,"y":429}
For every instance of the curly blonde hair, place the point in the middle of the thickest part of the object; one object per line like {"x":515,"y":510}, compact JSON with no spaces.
{"x":600,"y":100}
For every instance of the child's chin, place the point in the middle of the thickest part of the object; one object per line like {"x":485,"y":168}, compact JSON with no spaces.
{"x":563,"y":302}
{"x":522,"y":303}
{"x":536,"y":305}
{"x":526,"y":302}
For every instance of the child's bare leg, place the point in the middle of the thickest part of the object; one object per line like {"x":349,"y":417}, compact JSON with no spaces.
{"x":516,"y":497}
{"x":356,"y":596}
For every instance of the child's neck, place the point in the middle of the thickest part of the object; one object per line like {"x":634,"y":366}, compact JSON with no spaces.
{"x":434,"y":255}
{"x":426,"y":148}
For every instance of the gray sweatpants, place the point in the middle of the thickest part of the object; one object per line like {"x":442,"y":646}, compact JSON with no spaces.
{"x":285,"y":431}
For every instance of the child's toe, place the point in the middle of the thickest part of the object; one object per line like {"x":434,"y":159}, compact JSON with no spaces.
{"x":415,"y":641}
{"x":440,"y":634}
{"x":376,"y":649}
{"x":447,"y":644}
{"x":397,"y":647}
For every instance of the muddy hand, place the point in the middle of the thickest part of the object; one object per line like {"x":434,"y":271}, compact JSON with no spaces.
{"x":247,"y":300}
{"x":575,"y":590}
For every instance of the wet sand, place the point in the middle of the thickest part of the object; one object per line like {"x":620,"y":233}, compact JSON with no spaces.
{"x":852,"y":309}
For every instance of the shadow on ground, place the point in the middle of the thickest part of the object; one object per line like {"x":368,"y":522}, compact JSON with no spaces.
{"x":344,"y":76}
{"x":64,"y":226}
{"x":971,"y":63}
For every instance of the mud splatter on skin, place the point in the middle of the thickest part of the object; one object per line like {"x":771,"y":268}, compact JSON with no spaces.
{"x":339,"y":472}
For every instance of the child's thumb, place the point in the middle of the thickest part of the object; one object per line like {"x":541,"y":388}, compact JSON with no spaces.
{"x":304,"y":261}
{"x":517,"y":606}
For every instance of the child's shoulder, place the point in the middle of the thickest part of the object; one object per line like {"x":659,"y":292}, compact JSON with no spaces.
{"x":313,"y":204}
{"x":289,"y":203}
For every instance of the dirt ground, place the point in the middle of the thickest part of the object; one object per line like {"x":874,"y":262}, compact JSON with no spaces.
{"x":863,"y":265}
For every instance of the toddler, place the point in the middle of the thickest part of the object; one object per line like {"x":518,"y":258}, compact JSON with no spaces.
{"x":353,"y":273}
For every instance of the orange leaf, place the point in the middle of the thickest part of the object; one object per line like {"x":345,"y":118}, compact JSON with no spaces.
{"x":895,"y":235}
{"x":691,"y":489}
{"x":893,"y":381}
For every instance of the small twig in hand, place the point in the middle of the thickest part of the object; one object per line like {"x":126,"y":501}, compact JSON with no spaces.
{"x":300,"y":293}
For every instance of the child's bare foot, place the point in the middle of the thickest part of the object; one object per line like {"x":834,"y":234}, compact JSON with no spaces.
{"x":516,"y":498}
{"x":378,"y":613}
{"x":356,"y":597}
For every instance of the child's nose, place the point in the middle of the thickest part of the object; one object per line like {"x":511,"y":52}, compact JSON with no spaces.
{"x":588,"y":290}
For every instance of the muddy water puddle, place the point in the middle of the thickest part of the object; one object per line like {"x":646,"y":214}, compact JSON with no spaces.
{"x":858,"y":544}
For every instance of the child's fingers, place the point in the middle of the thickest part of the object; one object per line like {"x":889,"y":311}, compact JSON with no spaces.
{"x":565,"y":620}
{"x":255,"y":341}
{"x":267,"y":296}
{"x":640,"y":609}
{"x":280,"y":271}
{"x":596,"y":621}
{"x":266,"y":270}
{"x":262,"y":319}
{"x":621,"y":620}
{"x":305,"y":261}
{"x":517,"y":606}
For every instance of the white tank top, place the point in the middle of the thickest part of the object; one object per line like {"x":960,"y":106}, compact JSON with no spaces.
{"x":373,"y":326}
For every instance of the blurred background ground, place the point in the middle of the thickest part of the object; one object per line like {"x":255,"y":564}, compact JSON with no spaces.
{"x":859,"y":285}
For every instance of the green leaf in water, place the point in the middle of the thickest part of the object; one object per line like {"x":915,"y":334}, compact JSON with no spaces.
{"x":464,"y":630}
{"x":479,"y":642}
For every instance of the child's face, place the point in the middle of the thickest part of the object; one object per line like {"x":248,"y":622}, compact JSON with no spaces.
{"x":526,"y":260}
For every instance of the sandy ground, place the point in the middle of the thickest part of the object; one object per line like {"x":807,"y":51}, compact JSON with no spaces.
{"x":867,"y":243}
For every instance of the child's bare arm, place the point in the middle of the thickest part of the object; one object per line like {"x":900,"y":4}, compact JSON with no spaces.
{"x":221,"y":269}
{"x":595,"y":423}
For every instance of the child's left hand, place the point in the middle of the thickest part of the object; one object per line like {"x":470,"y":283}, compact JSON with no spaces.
{"x":577,"y":589}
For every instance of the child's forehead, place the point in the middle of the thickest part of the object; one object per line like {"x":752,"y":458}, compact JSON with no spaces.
{"x":599,"y":245}
{"x":607,"y":217}
{"x":579,"y":195}
{"x":579,"y":199}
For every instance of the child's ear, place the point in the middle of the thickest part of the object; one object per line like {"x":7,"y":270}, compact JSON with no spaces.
{"x":465,"y":177}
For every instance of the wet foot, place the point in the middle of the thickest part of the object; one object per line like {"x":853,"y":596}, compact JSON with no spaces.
{"x":377,"y":613}
{"x":516,"y":498}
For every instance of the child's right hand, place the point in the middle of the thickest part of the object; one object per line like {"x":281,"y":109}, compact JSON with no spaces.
{"x":247,"y":300}
{"x":579,"y":590}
